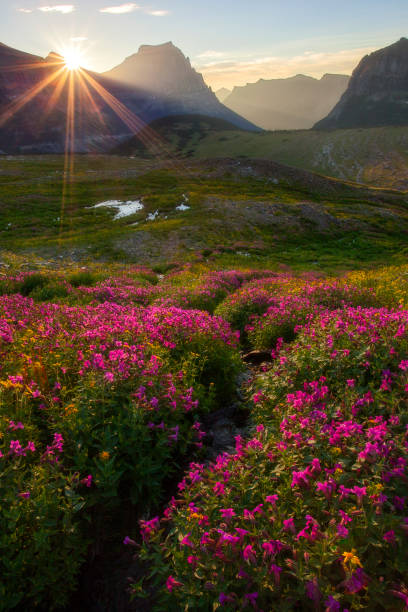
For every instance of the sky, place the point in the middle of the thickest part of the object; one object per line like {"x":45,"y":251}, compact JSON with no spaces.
{"x":232,"y":42}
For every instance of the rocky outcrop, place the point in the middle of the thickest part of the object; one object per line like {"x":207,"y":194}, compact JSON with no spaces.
{"x":377,"y":94}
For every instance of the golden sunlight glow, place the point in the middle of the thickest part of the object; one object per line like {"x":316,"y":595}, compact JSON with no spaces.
{"x":72,"y":58}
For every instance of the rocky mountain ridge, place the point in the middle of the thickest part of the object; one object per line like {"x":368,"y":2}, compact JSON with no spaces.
{"x":377,"y":94}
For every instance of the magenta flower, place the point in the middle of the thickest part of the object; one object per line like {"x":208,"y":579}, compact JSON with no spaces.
{"x":342,"y":531}
{"x":129,"y":542}
{"x":192,"y":560}
{"x":332,"y":604}
{"x":172,"y":583}
{"x":252,"y":597}
{"x":276,"y":571}
{"x":87,"y":481}
{"x":289,"y":525}
{"x":359,"y":580}
{"x":219,"y":488}
{"x":186,"y":541}
{"x":228,"y":513}
{"x":389,"y":537}
{"x":249,"y":554}
{"x":225,"y":599}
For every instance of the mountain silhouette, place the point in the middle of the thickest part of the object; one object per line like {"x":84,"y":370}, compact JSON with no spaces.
{"x":377,"y":94}
{"x":35,"y":95}
{"x":287,"y":104}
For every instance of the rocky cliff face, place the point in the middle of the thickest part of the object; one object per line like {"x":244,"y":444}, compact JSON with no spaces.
{"x":162,"y":69}
{"x":377,"y":94}
{"x":156,"y":82}
{"x":287,"y":104}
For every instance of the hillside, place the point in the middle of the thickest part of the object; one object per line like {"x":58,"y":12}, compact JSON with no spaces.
{"x":287,"y":104}
{"x":177,"y":132}
{"x":372,"y":156}
{"x":115,"y":208}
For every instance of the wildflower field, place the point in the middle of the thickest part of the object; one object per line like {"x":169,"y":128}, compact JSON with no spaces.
{"x":107,"y":375}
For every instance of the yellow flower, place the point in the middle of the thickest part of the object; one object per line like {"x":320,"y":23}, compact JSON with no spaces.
{"x":349,"y":558}
{"x":104,"y":455}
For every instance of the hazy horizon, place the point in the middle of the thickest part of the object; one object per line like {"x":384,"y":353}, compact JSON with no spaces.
{"x":230,"y":45}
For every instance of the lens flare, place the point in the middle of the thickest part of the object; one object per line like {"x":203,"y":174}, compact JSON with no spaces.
{"x":72,"y":59}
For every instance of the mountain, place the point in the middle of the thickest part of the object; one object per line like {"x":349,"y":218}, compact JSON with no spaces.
{"x":35,"y":95}
{"x":377,"y":94}
{"x":222,"y":94}
{"x":287,"y":104}
{"x":166,"y":74}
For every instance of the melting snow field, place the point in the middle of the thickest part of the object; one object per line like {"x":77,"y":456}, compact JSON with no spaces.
{"x":124,"y":209}
{"x":182,"y":207}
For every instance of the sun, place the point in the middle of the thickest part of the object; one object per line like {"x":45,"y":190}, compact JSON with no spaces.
{"x":72,"y":59}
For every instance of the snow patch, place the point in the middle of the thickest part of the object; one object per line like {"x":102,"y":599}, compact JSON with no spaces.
{"x":182,"y":207}
{"x":124,"y":209}
{"x":152,"y":216}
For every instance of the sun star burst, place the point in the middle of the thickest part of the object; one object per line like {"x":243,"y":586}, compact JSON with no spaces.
{"x":72,"y":59}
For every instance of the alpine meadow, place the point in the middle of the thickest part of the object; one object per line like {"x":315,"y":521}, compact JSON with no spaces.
{"x":203,"y":306}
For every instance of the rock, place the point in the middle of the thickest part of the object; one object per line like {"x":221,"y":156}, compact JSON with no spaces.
{"x":257,"y":357}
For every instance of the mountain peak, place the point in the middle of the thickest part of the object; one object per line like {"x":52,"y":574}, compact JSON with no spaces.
{"x":163,"y":47}
{"x":377,"y":93}
{"x":161,"y":69}
{"x":53,"y":56}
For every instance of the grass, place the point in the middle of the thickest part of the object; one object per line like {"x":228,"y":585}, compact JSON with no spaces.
{"x":374,"y":156}
{"x":251,"y":213}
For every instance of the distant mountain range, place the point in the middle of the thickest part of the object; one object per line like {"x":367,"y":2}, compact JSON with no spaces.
{"x":377,"y":94}
{"x":157,"y":81}
{"x":222,"y":94}
{"x":287,"y":104}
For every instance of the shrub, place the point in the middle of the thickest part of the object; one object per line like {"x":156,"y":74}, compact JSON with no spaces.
{"x":311,"y":512}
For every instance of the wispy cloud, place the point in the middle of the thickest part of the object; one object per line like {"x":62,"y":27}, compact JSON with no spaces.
{"x":58,"y":8}
{"x":232,"y":71}
{"x":24,"y":10}
{"x":157,"y":13}
{"x":120,"y":9}
{"x":210,"y":54}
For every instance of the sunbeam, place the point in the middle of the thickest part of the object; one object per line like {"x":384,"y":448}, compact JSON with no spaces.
{"x":18,"y":104}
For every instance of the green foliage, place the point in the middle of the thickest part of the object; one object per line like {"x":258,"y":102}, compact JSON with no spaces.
{"x":83,"y":278}
{"x":31,"y":282}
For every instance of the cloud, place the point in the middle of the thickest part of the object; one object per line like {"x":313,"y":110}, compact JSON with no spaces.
{"x":210,"y":54}
{"x":58,"y":8}
{"x":120,"y":9}
{"x":24,"y":10}
{"x":231,"y":71}
{"x":78,"y":38}
{"x":157,"y":13}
